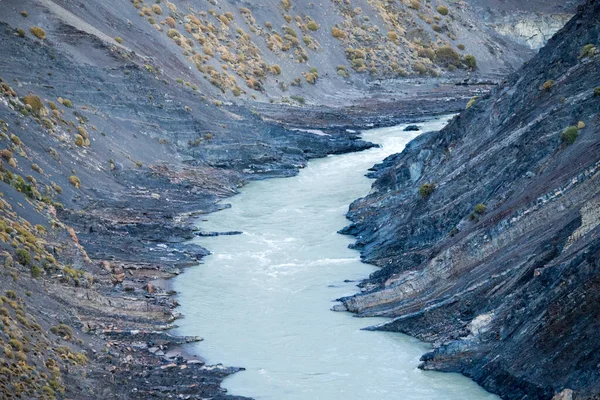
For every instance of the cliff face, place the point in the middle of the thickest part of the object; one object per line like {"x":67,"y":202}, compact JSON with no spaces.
{"x":497,"y":260}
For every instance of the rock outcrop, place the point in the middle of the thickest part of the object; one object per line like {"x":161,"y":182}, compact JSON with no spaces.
{"x":488,"y":232}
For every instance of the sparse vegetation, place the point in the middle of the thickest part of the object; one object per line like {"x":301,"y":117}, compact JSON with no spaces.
{"x":479,"y":209}
{"x":442,"y":10}
{"x":338,"y":33}
{"x":415,"y":4}
{"x":312,"y":25}
{"x":470,"y":61}
{"x":587,"y":51}
{"x":79,"y":140}
{"x":426,"y":190}
{"x":446,"y":56}
{"x":63,"y":331}
{"x":75,"y":181}
{"x":547,"y":85}
{"x":156,"y":9}
{"x":23,"y":257}
{"x":276,"y":69}
{"x":471,"y":102}
{"x":569,"y":135}
{"x":35,"y":103}
{"x":38,"y":32}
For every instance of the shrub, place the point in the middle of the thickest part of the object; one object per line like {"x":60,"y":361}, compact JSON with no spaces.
{"x":312,"y":25}
{"x":38,"y":32}
{"x":442,"y":10}
{"x":342,"y":71}
{"x":569,"y":135}
{"x":11,"y":294}
{"x":461,"y":46}
{"x":547,"y":85}
{"x":63,"y":331}
{"x":446,"y":56}
{"x":23,"y":257}
{"x":426,"y":190}
{"x":67,"y":103}
{"x":286,"y":4}
{"x":470,"y":61}
{"x":338,"y":33}
{"x":471,"y":102}
{"x":119,"y":40}
{"x":276,"y":69}
{"x":24,"y":13}
{"x":34,"y":102}
{"x":597,"y":91}
{"x":75,"y":181}
{"x":36,"y":271}
{"x":79,"y":140}
{"x":298,"y":99}
{"x":426,"y":53}
{"x":580,"y":125}
{"x":21,"y":32}
{"x":16,"y":344}
{"x":587,"y":51}
{"x":393,"y":36}
{"x":170,"y":21}
{"x":156,"y":9}
{"x":479,"y":209}
{"x":6,"y":154}
{"x":311,"y":78}
{"x":419,"y":68}
{"x":415,"y":4}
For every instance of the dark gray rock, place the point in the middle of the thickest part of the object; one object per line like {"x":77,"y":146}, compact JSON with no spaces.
{"x":508,"y":295}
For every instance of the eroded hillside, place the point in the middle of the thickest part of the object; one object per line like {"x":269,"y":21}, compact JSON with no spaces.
{"x":292,"y":51}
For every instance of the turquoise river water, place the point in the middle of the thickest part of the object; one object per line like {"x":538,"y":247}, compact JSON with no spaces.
{"x":262,"y":300}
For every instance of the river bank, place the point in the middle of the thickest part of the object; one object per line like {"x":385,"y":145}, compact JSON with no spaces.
{"x":262,"y":298}
{"x":144,"y":243}
{"x":116,"y":212}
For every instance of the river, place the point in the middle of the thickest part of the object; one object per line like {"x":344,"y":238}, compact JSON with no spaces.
{"x":262,"y":300}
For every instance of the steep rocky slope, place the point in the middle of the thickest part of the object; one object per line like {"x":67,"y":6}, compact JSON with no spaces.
{"x":121,"y":121}
{"x":295,"y":51}
{"x":488,"y":232}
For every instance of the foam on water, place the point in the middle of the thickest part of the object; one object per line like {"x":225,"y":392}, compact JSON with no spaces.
{"x":262,"y":299}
